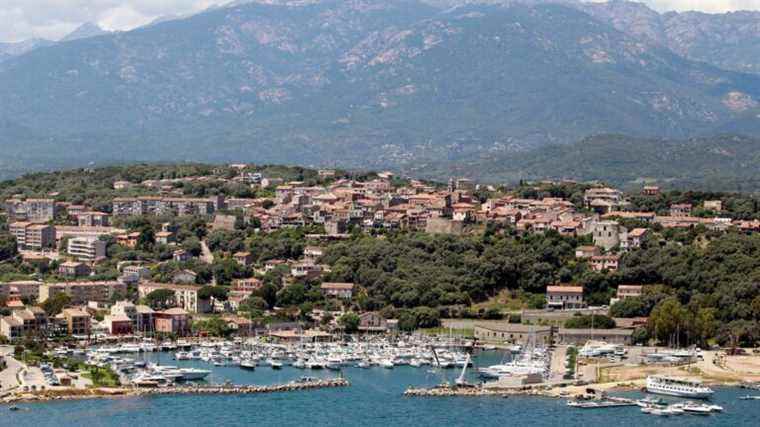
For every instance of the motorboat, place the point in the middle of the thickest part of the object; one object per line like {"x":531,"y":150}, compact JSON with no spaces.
{"x":193,"y":374}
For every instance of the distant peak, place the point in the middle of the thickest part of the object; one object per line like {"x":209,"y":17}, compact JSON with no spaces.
{"x":88,"y":29}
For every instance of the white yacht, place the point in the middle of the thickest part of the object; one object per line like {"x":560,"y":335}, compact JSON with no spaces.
{"x":192,"y":374}
{"x":274,"y":363}
{"x":681,"y":387}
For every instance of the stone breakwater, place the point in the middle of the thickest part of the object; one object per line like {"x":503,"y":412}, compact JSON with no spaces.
{"x":95,"y":393}
{"x":247,"y":389}
{"x":469,"y":392}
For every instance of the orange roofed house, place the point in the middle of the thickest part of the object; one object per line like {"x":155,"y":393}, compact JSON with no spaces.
{"x":339,"y":290}
{"x":564,"y":297}
{"x":172,"y":321}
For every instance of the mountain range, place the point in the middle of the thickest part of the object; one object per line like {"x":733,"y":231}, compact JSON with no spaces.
{"x":383,"y":83}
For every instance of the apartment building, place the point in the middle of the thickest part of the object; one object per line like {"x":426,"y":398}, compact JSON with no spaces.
{"x":93,"y":219}
{"x":88,"y":249}
{"x":151,"y":205}
{"x":77,"y":321}
{"x":185,"y":296}
{"x":33,"y":236}
{"x":604,"y":200}
{"x":83,"y":292}
{"x":31,"y":210}
{"x":23,"y":289}
{"x":74,"y":269}
{"x":23,"y":322}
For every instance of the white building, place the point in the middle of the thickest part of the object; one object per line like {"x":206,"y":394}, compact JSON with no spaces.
{"x":87,"y":248}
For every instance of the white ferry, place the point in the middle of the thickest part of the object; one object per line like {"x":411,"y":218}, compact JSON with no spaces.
{"x":678,"y":387}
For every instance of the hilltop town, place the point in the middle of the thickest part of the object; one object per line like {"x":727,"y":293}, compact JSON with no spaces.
{"x":294,"y":254}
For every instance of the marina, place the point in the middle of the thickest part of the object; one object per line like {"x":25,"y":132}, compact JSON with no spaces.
{"x":374,"y":398}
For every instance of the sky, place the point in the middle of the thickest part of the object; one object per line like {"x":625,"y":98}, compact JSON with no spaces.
{"x":53,"y":19}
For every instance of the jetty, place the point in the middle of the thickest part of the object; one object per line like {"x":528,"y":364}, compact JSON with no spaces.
{"x":478,"y":391}
{"x":227,"y":389}
{"x":246,"y":389}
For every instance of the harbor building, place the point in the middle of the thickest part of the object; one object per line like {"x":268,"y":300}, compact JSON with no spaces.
{"x":564,"y":297}
{"x":579,"y":337}
{"x":513,"y":333}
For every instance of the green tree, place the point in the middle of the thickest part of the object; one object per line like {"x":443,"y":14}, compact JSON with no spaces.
{"x":293,"y":294}
{"x":217,"y":293}
{"x":212,"y":326}
{"x":596,"y":321}
{"x":160,"y":299}
{"x":55,"y":304}
{"x":668,"y":320}
{"x":630,"y":307}
{"x":7,"y":246}
{"x":349,"y":322}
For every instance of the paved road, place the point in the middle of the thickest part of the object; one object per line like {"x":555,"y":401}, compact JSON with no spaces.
{"x":558,"y":363}
{"x":8,"y":378}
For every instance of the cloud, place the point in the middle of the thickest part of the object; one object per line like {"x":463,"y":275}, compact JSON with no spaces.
{"x":53,"y":19}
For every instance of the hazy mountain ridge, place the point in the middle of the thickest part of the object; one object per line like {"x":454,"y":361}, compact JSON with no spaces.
{"x":718,"y":163}
{"x":86,"y":30}
{"x":358,"y":83}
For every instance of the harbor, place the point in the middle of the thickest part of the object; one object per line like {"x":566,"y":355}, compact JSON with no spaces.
{"x":375,"y":397}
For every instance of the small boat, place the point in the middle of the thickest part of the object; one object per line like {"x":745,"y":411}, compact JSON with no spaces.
{"x":14,"y":408}
{"x":248,"y":364}
{"x":671,"y":410}
{"x":275,"y":364}
{"x":387,"y":364}
{"x":315,"y":364}
{"x":695,"y":409}
{"x":192,"y":374}
{"x":649,"y":401}
{"x":362,"y":364}
{"x":748,"y":397}
{"x":598,"y":404}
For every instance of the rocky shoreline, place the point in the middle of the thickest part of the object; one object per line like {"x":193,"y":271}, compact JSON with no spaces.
{"x":99,"y":393}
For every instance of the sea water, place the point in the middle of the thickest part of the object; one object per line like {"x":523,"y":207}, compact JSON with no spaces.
{"x":375,"y":398}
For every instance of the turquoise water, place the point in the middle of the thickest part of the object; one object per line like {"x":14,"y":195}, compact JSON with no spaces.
{"x":373,"y":399}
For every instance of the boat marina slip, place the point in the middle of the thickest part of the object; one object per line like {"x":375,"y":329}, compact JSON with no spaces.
{"x":417,"y":381}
